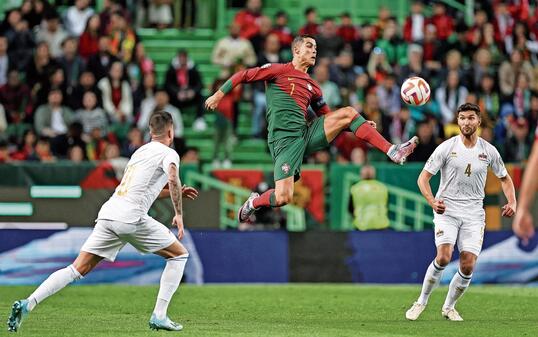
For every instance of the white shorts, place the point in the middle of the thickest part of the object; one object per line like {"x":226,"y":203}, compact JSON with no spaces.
{"x":108,"y":237}
{"x":465,"y":229}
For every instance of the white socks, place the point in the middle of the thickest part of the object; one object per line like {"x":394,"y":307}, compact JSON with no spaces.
{"x":457,"y":287}
{"x":54,"y":283}
{"x":431,"y":281}
{"x":170,"y":279}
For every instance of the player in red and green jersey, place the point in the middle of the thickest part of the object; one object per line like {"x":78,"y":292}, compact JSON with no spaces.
{"x":290,"y":91}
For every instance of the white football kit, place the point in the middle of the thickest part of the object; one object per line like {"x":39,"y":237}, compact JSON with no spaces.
{"x":124,"y":217}
{"x":463,"y":179}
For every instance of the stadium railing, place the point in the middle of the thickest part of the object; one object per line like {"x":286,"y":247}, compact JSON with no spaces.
{"x":408,"y":211}
{"x":232,"y":197}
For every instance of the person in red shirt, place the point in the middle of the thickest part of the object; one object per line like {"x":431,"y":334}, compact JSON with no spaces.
{"x":89,"y":40}
{"x":442,"y":21}
{"x":248,"y":19}
{"x":311,"y":27}
{"x":347,"y":30}
{"x":415,"y":24}
{"x":282,"y":30}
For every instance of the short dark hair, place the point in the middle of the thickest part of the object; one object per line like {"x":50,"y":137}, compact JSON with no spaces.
{"x":158,"y":122}
{"x":469,"y":107}
{"x":345,"y":15}
{"x":309,"y":10}
{"x":300,"y":39}
{"x":280,"y":13}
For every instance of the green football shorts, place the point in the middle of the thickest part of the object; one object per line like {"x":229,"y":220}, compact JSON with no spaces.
{"x":288,"y":152}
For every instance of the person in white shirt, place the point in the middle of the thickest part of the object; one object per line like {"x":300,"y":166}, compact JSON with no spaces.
{"x":124,"y":219}
{"x":458,"y":206}
{"x":77,"y":16}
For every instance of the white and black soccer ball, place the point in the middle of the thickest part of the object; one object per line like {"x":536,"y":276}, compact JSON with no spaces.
{"x":415,"y":91}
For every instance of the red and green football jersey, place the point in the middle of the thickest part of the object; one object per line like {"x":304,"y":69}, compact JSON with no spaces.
{"x":289,"y":92}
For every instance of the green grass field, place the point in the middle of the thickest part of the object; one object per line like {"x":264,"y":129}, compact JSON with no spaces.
{"x":277,"y":310}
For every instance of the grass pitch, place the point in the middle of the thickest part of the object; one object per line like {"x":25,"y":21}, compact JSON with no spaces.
{"x":276,"y":310}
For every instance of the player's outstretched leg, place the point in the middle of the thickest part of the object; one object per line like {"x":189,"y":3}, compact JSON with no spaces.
{"x":248,"y":208}
{"x":280,"y":196}
{"x":176,"y":258}
{"x":58,"y":280}
{"x":398,"y":153}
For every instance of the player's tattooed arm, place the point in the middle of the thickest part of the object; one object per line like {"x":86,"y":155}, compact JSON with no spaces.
{"x":174,"y":184}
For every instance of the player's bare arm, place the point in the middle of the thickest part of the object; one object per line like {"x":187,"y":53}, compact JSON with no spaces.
{"x":213,"y":101}
{"x":509,"y":191}
{"x":523,"y":225}
{"x":187,"y":192}
{"x":424,"y":185}
{"x":174,"y":183}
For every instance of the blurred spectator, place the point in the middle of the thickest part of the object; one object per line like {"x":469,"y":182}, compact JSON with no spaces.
{"x":432,"y":53}
{"x":77,"y":16}
{"x":481,"y":66}
{"x":39,"y":71}
{"x":258,"y":39}
{"x":358,"y":97}
{"x":402,"y":126}
{"x":3,"y":122}
{"x":113,"y":156}
{"x":328,"y":42}
{"x":415,"y":24}
{"x":135,"y":139}
{"x":90,"y":115}
{"x":15,"y":97}
{"x":330,"y":91}
{"x":347,"y":30}
{"x":509,"y":71}
{"x":89,"y":40}
{"x":229,"y":49}
{"x":503,"y":21}
{"x":363,"y":47}
{"x":26,"y":147}
{"x":5,"y":61}
{"x":415,"y":66}
{"x":99,"y":63}
{"x":56,"y":80}
{"x":369,"y":201}
{"x":146,"y":90}
{"x":184,"y":85}
{"x":42,"y":151}
{"x":427,"y":142}
{"x":270,"y":54}
{"x":392,"y":45}
{"x":109,"y":7}
{"x":96,"y":144}
{"x":224,"y":136}
{"x":160,"y":102}
{"x":76,"y":154}
{"x":453,"y":62}
{"x":116,"y":95}
{"x":4,"y":152}
{"x":160,"y":13}
{"x":518,"y":40}
{"x":517,"y":146}
{"x":520,"y":104}
{"x":140,"y":66}
{"x":191,"y":155}
{"x":450,"y":95}
{"x":489,"y":43}
{"x":282,"y":30}
{"x":71,"y":63}
{"x":122,"y":37}
{"x":8,"y":26}
{"x":21,"y":45}
{"x":74,"y":137}
{"x":52,"y":119}
{"x":488,"y":100}
{"x":343,"y":72}
{"x":86,"y":83}
{"x":443,"y":22}
{"x":52,"y":32}
{"x":311,"y":26}
{"x":247,"y":19}
{"x":389,"y":96}
{"x":187,"y":18}
{"x":378,"y":65}
{"x":474,"y":35}
{"x":33,"y":11}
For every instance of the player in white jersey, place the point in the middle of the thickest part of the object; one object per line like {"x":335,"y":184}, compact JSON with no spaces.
{"x":124,"y":219}
{"x":459,"y":216}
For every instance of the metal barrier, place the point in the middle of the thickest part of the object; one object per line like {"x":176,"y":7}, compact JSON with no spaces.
{"x":232,"y":197}
{"x":403,"y":205}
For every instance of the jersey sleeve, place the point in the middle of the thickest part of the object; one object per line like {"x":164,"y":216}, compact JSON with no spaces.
{"x":171,"y":158}
{"x":436,"y":160}
{"x":264,"y":73}
{"x":497,"y":163}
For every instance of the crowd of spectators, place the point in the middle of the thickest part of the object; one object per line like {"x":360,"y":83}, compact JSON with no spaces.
{"x":492,"y":62}
{"x":78,"y":85}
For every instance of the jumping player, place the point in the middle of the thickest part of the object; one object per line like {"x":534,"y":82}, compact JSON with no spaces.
{"x":290,"y":91}
{"x":124,"y":219}
{"x":459,"y":215}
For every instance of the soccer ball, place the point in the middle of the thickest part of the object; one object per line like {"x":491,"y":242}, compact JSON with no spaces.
{"x":415,"y":91}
